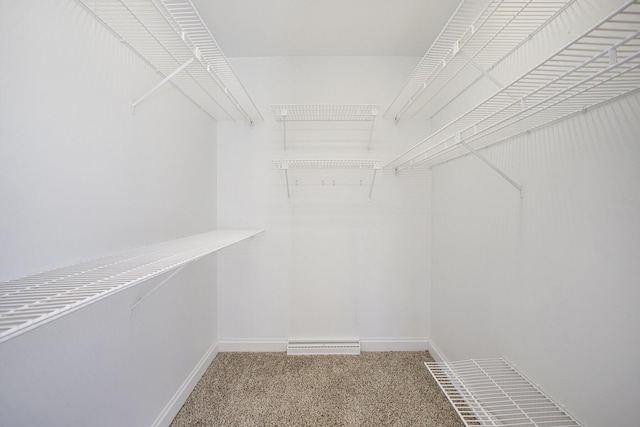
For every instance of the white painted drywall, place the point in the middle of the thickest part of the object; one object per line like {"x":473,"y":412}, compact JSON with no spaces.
{"x":331,"y":263}
{"x":81,"y":177}
{"x":550,"y":281}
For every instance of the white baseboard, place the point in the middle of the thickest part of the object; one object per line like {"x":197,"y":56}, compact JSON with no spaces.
{"x":252,"y":346}
{"x":436,"y":353}
{"x":171,"y":409}
{"x":366,"y":344}
{"x":394,"y":344}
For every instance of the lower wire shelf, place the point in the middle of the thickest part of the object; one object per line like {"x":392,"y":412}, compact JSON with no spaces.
{"x":32,"y":301}
{"x":491,"y":392}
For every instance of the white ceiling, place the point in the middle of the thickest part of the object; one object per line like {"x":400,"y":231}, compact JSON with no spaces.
{"x":325,"y":27}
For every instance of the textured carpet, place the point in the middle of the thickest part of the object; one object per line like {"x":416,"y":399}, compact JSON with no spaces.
{"x":273,"y":389}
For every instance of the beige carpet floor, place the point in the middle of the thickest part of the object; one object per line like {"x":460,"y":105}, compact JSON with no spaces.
{"x":273,"y":389}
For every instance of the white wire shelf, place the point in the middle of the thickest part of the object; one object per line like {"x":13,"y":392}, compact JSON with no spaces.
{"x":490,"y":392}
{"x":457,"y":60}
{"x":601,"y":64}
{"x":326,"y":164}
{"x":325,"y":112}
{"x":32,"y":301}
{"x":462,"y":19}
{"x":172,"y":38}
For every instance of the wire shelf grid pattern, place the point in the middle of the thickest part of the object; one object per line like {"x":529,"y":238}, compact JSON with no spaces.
{"x":325,"y":112}
{"x":502,"y":27}
{"x":491,"y":392}
{"x":601,"y":64}
{"x":31,"y":301}
{"x":462,"y":19}
{"x":326,"y":164}
{"x":167,"y":34}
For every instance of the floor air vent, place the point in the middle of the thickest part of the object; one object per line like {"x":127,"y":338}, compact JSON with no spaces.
{"x":302,"y":347}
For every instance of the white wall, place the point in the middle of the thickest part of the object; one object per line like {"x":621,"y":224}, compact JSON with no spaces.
{"x":331,"y":263}
{"x":548,"y":281}
{"x":81,"y":177}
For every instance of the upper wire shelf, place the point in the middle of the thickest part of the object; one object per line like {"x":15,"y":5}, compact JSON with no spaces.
{"x":325,"y":112}
{"x":491,"y":392}
{"x":479,"y":35}
{"x":32,"y":301}
{"x":173,"y":39}
{"x":601,"y":64}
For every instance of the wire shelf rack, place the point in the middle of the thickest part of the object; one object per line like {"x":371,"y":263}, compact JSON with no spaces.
{"x":491,"y":392}
{"x":173,"y":39}
{"x":601,"y":64}
{"x":325,"y":112}
{"x":32,"y":301}
{"x":325,"y":164}
{"x":459,"y":59}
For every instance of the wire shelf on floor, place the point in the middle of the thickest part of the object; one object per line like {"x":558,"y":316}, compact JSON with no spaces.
{"x":325,"y":112}
{"x":491,"y":392}
{"x":172,"y":38}
{"x":601,"y":64}
{"x":459,"y":58}
{"x":32,"y":301}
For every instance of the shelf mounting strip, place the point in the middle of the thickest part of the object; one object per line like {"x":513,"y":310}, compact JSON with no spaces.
{"x":491,"y":392}
{"x":32,"y":301}
{"x":310,"y":164}
{"x":601,"y":64}
{"x":172,"y":38}
{"x":325,"y":112}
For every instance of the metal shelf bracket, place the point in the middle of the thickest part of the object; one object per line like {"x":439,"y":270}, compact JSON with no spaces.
{"x":162,"y":82}
{"x":494,"y":167}
{"x":284,"y":127}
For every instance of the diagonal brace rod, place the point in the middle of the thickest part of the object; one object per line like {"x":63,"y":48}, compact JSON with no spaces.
{"x":494,"y":167}
{"x":286,"y":177}
{"x":373,"y":119}
{"x":152,"y":291}
{"x":373,"y":180}
{"x":165,"y":80}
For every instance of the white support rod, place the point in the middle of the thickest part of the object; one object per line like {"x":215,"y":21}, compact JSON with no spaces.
{"x":482,"y":70}
{"x":284,"y":125}
{"x":373,"y":180}
{"x":494,"y":167}
{"x":373,"y":119}
{"x":286,"y":178}
{"x":158,"y":286}
{"x":162,"y":82}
